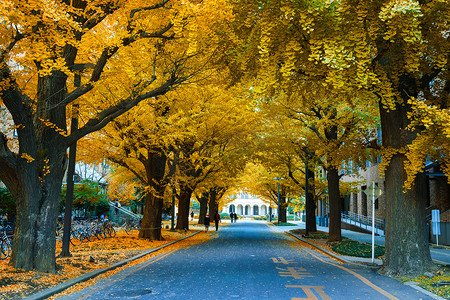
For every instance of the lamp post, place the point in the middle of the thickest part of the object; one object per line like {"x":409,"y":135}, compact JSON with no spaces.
{"x":278,"y":204}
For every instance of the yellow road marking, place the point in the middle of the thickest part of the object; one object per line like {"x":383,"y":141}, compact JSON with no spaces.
{"x":363,"y":279}
{"x":308,"y":291}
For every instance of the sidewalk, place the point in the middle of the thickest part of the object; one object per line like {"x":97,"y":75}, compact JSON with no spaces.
{"x":439,"y":255}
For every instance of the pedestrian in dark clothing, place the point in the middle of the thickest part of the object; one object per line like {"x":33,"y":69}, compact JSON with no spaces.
{"x":192,"y":215}
{"x":207,"y":221}
{"x":231,"y":217}
{"x":235,"y":217}
{"x":216,"y":220}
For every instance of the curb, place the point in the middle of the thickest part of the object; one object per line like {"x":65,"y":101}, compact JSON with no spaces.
{"x":340,"y":259}
{"x":65,"y":285}
{"x":414,"y":285}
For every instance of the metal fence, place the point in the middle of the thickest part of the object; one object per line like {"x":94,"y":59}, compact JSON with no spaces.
{"x":363,"y":221}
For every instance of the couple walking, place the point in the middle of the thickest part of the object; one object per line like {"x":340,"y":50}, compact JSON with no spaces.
{"x":207,"y":221}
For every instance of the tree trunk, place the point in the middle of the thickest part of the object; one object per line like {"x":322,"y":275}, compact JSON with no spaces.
{"x":213,"y":203}
{"x":37,"y":203}
{"x":155,"y":166}
{"x":203,"y":207}
{"x":183,"y":207}
{"x":334,"y":234}
{"x":310,"y":208}
{"x":407,"y":251}
{"x":283,"y":205}
{"x":34,"y":176}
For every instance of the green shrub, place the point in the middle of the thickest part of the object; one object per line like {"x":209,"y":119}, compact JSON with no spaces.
{"x":224,"y":216}
{"x":7,"y":203}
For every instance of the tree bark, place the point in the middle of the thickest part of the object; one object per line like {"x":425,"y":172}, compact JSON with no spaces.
{"x":283,"y":208}
{"x":155,"y":166}
{"x":203,"y":199}
{"x":406,"y":251}
{"x":35,"y":182}
{"x":213,"y":204}
{"x":310,"y":207}
{"x":183,"y":207}
{"x":334,"y":199}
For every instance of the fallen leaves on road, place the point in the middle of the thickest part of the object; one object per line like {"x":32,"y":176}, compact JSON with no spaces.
{"x":87,"y":257}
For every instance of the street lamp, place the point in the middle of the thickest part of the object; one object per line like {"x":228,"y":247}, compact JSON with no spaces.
{"x":278,"y":179}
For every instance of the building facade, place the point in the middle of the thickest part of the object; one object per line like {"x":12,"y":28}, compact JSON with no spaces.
{"x":248,"y":206}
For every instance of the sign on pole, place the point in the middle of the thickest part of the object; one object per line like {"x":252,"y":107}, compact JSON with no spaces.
{"x":373,"y":191}
{"x":435,"y":224}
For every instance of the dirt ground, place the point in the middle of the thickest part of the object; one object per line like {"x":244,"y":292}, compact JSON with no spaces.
{"x":87,"y":257}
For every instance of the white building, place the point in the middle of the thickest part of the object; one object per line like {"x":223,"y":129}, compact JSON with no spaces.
{"x":248,"y":205}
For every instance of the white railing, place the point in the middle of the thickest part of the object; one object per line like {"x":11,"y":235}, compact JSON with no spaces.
{"x":363,"y":222}
{"x":125,"y":211}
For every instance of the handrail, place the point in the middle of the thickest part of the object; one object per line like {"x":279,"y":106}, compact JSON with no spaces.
{"x":363,"y":221}
{"x":126,"y":211}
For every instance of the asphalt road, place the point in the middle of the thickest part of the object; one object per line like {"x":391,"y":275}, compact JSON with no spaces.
{"x":247,"y":260}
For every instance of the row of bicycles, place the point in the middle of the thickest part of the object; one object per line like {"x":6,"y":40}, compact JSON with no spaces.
{"x":89,"y":231}
{"x":82,"y":231}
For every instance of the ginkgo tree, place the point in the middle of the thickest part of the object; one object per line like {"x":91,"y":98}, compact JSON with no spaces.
{"x":44,"y":44}
{"x":340,"y":131}
{"x":396,"y":50}
{"x":220,"y":130}
{"x":140,"y":142}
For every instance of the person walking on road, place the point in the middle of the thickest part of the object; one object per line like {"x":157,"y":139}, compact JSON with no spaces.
{"x":216,"y":220}
{"x":235,"y":217}
{"x":192,"y":215}
{"x":231,"y":217}
{"x":207,"y":221}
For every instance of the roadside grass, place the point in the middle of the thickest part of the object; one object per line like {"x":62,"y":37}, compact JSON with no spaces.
{"x":347,"y":247}
{"x":439,"y":284}
{"x":283,"y":224}
{"x":354,"y":248}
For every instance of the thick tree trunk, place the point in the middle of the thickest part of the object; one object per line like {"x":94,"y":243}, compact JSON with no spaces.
{"x":334,"y":234}
{"x":37,"y":202}
{"x":213,"y":203}
{"x":151,"y":220}
{"x":407,"y":251}
{"x":283,"y":211}
{"x":183,"y":207}
{"x":155,"y":166}
{"x":203,"y":207}
{"x":34,"y":176}
{"x":311,"y":205}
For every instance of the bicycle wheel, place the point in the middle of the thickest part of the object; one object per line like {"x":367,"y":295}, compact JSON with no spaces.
{"x":4,"y":249}
{"x":112,"y":232}
{"x":76,"y":238}
{"x":128,"y":229}
{"x":100,"y":234}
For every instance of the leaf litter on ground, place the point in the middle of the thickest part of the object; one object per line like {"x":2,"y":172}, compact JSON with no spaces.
{"x":91,"y":256}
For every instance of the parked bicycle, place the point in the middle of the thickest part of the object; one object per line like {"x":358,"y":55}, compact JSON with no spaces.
{"x":5,"y":242}
{"x":131,"y":225}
